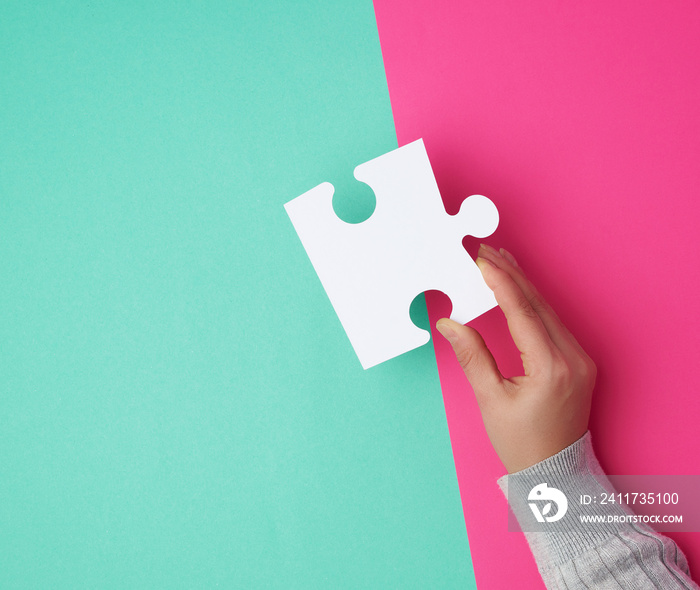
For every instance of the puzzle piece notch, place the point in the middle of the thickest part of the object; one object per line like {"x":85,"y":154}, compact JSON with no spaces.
{"x":372,"y":271}
{"x":353,"y":202}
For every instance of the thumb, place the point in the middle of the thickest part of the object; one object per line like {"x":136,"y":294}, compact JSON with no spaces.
{"x":473,"y":356}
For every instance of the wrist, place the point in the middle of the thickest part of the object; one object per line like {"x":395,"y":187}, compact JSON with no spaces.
{"x":573,"y":473}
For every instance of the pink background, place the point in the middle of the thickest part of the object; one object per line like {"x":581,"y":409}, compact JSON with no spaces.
{"x":582,"y":122}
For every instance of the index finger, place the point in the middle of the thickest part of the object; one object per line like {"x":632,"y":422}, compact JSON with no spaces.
{"x":558,"y":332}
{"x":525,"y":325}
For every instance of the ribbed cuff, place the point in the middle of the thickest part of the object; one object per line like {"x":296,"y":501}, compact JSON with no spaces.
{"x":575,"y":472}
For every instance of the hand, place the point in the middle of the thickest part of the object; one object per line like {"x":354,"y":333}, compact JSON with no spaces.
{"x":534,"y":416}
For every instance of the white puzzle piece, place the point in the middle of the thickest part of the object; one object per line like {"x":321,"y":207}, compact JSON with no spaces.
{"x":373,"y":270}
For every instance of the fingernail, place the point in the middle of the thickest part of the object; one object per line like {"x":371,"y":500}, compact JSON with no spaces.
{"x":491,"y":250}
{"x":509,"y":257}
{"x":481,"y":261}
{"x":444,"y":329}
{"x":492,"y":255}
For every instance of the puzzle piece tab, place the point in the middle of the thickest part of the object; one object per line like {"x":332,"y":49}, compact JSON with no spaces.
{"x":373,"y":270}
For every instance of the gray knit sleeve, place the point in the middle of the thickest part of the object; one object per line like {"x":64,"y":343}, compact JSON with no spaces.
{"x":614,"y":554}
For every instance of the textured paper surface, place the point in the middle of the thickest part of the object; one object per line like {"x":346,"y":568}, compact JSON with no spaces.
{"x":160,"y":427}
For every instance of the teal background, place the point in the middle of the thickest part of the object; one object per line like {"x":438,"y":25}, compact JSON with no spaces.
{"x":179,"y":406}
